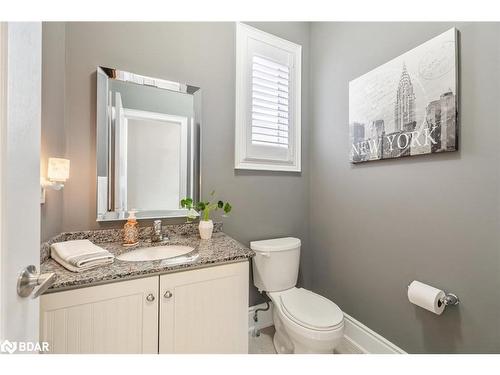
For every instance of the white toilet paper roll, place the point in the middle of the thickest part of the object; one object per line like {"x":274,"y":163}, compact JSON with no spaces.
{"x":426,"y":296}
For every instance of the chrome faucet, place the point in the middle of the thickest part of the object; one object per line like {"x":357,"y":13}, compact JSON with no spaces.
{"x":156,"y":234}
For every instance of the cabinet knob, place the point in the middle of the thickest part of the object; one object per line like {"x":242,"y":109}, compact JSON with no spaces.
{"x":168,"y":294}
{"x":150,"y":297}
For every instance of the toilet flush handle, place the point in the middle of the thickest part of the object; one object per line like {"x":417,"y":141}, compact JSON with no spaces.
{"x":267,"y":255}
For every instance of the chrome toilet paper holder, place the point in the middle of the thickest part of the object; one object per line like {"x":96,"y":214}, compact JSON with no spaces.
{"x":450,"y":299}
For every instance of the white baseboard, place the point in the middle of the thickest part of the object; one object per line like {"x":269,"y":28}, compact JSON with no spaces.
{"x":367,"y":341}
{"x":358,"y":338}
{"x":265,"y":317}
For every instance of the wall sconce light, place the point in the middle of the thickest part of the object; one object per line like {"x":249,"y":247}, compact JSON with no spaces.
{"x":57,"y":174}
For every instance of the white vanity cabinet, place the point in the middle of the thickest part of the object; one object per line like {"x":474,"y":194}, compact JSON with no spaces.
{"x":195,"y":311}
{"x":205,"y":311}
{"x":121,"y":317}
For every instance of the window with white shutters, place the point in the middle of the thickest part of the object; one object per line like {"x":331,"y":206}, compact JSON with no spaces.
{"x":267,"y":101}
{"x":270,"y":83}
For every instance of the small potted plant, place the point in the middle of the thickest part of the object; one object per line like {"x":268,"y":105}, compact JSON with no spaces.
{"x":204,"y":209}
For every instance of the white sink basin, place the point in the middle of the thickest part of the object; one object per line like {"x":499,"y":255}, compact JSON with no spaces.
{"x":155,"y":253}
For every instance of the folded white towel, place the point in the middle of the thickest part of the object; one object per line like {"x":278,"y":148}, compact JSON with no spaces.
{"x":87,"y":267}
{"x":80,"y":255}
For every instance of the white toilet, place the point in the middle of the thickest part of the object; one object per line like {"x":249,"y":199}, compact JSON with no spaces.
{"x":305,"y":322}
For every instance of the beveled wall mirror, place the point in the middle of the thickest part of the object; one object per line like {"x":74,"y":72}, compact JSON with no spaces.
{"x":148,"y":145}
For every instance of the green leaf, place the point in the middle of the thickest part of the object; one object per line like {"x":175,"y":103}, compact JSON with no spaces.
{"x":227,"y":208}
{"x":200,"y":206}
{"x":220,"y":204}
{"x":212,"y":193}
{"x":187,"y":203}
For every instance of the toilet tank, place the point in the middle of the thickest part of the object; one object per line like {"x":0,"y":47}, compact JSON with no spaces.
{"x":276,"y":263}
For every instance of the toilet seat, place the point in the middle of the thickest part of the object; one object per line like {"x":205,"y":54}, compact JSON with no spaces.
{"x":310,"y":310}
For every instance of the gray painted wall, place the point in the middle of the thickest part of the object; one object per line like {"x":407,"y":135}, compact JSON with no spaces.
{"x":266,"y":204}
{"x":376,"y":227}
{"x":53,"y":132}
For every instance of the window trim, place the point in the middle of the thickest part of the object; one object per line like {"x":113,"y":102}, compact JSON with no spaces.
{"x":243,"y":33}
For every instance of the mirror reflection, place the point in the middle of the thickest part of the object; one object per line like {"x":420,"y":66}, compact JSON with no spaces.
{"x":148,"y":136}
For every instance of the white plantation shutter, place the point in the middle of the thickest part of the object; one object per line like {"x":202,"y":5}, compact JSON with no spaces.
{"x":270,"y":82}
{"x":267,"y":101}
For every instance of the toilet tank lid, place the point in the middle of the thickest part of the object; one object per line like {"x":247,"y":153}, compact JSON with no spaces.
{"x":276,"y":244}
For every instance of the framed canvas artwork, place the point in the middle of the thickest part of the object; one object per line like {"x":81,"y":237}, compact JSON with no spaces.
{"x":407,"y":106}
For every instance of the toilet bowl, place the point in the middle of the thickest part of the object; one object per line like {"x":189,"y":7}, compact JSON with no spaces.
{"x":305,"y":322}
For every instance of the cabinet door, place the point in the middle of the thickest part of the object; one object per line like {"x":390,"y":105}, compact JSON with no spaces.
{"x":205,"y":310}
{"x":111,"y":318}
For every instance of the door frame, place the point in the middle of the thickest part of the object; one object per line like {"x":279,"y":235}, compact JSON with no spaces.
{"x":182,"y":121}
{"x":20,"y":133}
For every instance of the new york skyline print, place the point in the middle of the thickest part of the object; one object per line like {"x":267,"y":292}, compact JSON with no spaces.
{"x":408,"y":106}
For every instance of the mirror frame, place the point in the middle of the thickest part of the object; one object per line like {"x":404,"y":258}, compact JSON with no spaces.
{"x":104,"y":139}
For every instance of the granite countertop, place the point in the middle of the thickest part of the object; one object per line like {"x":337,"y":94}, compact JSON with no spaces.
{"x":218,"y":250}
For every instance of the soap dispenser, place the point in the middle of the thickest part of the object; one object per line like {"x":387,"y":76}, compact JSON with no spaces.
{"x":131,"y":230}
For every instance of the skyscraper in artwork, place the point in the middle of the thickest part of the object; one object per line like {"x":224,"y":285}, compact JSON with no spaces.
{"x":441,"y":118}
{"x":357,"y":137}
{"x":404,"y":111}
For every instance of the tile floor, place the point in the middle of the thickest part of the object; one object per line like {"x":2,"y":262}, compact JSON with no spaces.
{"x":262,"y":344}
